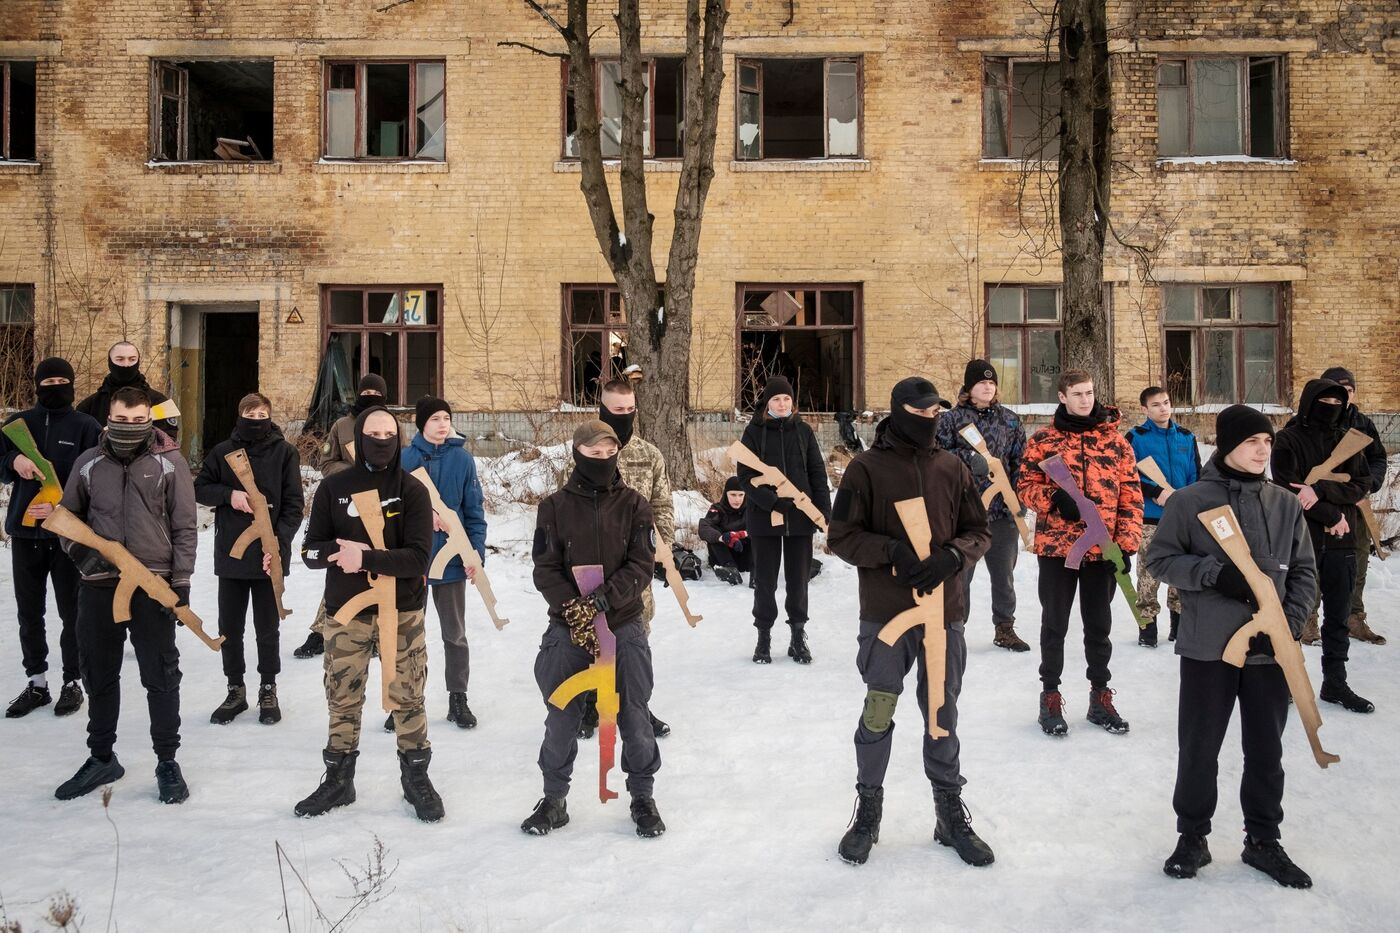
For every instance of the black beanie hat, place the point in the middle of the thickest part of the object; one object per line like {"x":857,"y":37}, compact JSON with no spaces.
{"x":776,"y":385}
{"x":427,"y":407}
{"x":53,"y":366}
{"x":374,"y":381}
{"x":1237,"y":424}
{"x":1341,"y":375}
{"x":733,"y":484}
{"x":978,"y":371}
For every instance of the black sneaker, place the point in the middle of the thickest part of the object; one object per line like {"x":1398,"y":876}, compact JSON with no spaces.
{"x":315,"y":644}
{"x":954,"y":828}
{"x":647,"y":818}
{"x":864,"y":830}
{"x":92,"y":775}
{"x":589,"y":724}
{"x":797,"y":645}
{"x":1344,"y":697}
{"x":418,"y":788}
{"x":1147,"y":637}
{"x":1191,"y":855}
{"x":658,"y":728}
{"x":337,"y":787}
{"x":29,"y":699}
{"x":70,"y":699}
{"x":1268,"y":856}
{"x":1052,"y":713}
{"x":269,"y":711}
{"x":729,"y":574}
{"x":1102,"y":713}
{"x":459,"y":712}
{"x":171,"y":783}
{"x":550,"y":814}
{"x":762,"y":651}
{"x":235,"y":703}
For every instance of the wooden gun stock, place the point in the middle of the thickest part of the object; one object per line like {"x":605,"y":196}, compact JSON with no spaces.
{"x":260,"y":530}
{"x":673,"y":577}
{"x":1000,"y":482}
{"x":1351,"y":444}
{"x":381,"y":597}
{"x":458,"y":545}
{"x":1149,"y":468}
{"x":927,"y":611}
{"x":772,"y":476}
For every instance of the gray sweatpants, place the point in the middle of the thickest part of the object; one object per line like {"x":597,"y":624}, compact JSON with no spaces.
{"x":451,"y":602}
{"x":558,"y":660}
{"x":884,"y":668}
{"x":1001,"y":564}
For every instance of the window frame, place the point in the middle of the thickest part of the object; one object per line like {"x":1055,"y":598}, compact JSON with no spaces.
{"x":1242,"y":61}
{"x":7,"y":327}
{"x":1200,"y":327}
{"x":1011,"y":62}
{"x":364,"y":329}
{"x":361,"y":129}
{"x":826,"y":60}
{"x":567,"y":363}
{"x":856,"y":327}
{"x":1023,"y":329}
{"x":649,"y":151}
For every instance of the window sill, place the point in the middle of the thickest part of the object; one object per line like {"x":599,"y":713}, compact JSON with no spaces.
{"x":334,"y":166}
{"x":215,"y":168}
{"x":20,"y":168}
{"x":1017,"y":165}
{"x":1226,"y":164}
{"x":800,"y":165}
{"x":575,"y":166}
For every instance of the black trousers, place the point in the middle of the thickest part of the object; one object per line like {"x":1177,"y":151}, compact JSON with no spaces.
{"x":234,"y":596}
{"x":1001,"y":564}
{"x":34,"y":561}
{"x":1336,"y":576}
{"x":1094,"y":582}
{"x":794,"y":553}
{"x":1208,"y":693}
{"x":727,"y":557}
{"x":101,"y":645}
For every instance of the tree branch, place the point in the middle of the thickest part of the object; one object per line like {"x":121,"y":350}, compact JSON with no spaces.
{"x":564,"y":56}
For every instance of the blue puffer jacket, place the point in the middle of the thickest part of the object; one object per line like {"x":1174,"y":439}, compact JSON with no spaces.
{"x":1174,"y":449}
{"x":453,"y":471}
{"x":1006,"y":440}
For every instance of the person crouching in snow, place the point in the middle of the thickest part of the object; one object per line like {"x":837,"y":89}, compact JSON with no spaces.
{"x":596,"y":519}
{"x":866,"y":532}
{"x":724,"y":533}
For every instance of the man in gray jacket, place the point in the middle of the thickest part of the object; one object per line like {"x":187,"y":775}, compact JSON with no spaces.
{"x":133,"y":488}
{"x":1216,"y":601}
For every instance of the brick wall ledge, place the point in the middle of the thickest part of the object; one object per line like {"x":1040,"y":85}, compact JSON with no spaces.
{"x":575,"y":167}
{"x":1018,"y":165}
{"x":370,"y":168}
{"x":215,"y":168}
{"x":1226,"y":164}
{"x":21,"y":168}
{"x":801,"y":165}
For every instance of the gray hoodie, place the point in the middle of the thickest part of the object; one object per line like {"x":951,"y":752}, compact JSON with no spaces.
{"x":1183,"y":554}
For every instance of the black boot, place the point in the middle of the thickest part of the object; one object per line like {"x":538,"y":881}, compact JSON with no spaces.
{"x":954,"y":828}
{"x":647,"y":817}
{"x":659,"y":728}
{"x":418,"y":788}
{"x":170,"y":783}
{"x":761,"y":651}
{"x":1191,"y":855}
{"x":1052,"y":713}
{"x":269,"y":711}
{"x":1102,"y":713}
{"x":70,"y":699}
{"x":589,"y":724}
{"x":92,"y":775}
{"x":730,"y":575}
{"x":550,"y":814}
{"x":1176,"y":620}
{"x":1338,"y":692}
{"x":797,"y":645}
{"x":235,"y":703}
{"x":29,"y":699}
{"x":337,"y":785}
{"x":459,"y":712}
{"x":1268,"y":856}
{"x":864,"y":829}
{"x":1147,"y":637}
{"x":315,"y":644}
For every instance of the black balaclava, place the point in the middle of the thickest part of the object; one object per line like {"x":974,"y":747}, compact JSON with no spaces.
{"x":378,"y":455}
{"x":621,"y":424}
{"x":595,"y":474}
{"x":364,"y":402}
{"x":54,"y":397}
{"x":124,"y":375}
{"x":905,"y":427}
{"x":253,"y":430}
{"x":127,"y":440}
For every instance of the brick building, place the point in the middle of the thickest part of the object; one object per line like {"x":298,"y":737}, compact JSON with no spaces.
{"x":238,"y":187}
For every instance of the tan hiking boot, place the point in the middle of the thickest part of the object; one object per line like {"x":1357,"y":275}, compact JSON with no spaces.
{"x":1007,"y":638}
{"x":1358,"y":629}
{"x":1310,"y":635}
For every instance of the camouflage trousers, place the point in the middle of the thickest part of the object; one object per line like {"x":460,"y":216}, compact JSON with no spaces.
{"x":648,"y":609}
{"x":1147,"y":605}
{"x":347,"y":667}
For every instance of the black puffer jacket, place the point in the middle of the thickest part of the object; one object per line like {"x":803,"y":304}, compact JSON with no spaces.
{"x":1303,"y":444}
{"x":790,"y":445}
{"x":277,"y":472}
{"x":62,"y":436}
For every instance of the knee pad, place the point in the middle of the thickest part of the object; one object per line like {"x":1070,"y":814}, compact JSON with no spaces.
{"x":879,"y":710}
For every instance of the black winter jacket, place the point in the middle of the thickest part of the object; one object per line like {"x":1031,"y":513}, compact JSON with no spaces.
{"x":99,"y":404}
{"x":790,"y":445}
{"x":719,"y":520}
{"x":277,"y":473}
{"x":1302,"y":445}
{"x":1376,"y":457}
{"x":62,"y":436}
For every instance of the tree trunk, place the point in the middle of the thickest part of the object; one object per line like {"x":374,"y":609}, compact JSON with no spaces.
{"x":1084,"y":178}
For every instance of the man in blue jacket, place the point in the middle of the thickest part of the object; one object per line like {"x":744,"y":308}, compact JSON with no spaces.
{"x":1173,"y":449}
{"x":453,"y":471}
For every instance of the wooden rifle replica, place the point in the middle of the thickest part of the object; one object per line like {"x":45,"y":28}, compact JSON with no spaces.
{"x":50,"y":491}
{"x":768,"y":475}
{"x":458,"y":545}
{"x":601,"y":676}
{"x":674,"y":578}
{"x":260,"y":530}
{"x":134,"y":574}
{"x":1268,"y":620}
{"x":381,"y":597}
{"x":1001,"y":483}
{"x":1149,"y":468}
{"x":1095,"y":532}
{"x":927,"y":611}
{"x":1351,"y":444}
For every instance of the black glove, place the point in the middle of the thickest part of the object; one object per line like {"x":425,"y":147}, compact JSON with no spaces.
{"x":182,"y":595}
{"x":979,"y":466}
{"x":1261,"y":644}
{"x":935,"y":569}
{"x":1127,"y":563}
{"x":1064,"y":503}
{"x":90,"y":561}
{"x":1232,"y":583}
{"x":905,"y":561}
{"x":1151,"y":492}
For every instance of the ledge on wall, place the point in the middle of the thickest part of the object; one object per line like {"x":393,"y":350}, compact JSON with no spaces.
{"x":21,"y":168}
{"x":575,"y":167}
{"x":215,"y":168}
{"x":800,"y":165}
{"x":335,"y":166}
{"x":1234,"y":163}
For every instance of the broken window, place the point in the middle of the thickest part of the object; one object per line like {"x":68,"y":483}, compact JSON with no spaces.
{"x":663,"y":108}
{"x":211,"y":111}
{"x":809,"y":334}
{"x":1221,"y":343}
{"x":1020,"y":109}
{"x":595,"y":331}
{"x":1220,"y":107}
{"x":386,"y":110}
{"x":16,"y":345}
{"x":17,"y":111}
{"x":395,"y":331}
{"x":798,"y":108}
{"x":1024,"y":341}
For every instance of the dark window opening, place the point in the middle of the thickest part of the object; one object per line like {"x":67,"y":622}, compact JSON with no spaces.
{"x":1222,"y":344}
{"x":394,"y":331}
{"x":16,"y":346}
{"x":18,"y":111}
{"x":798,"y":108}
{"x":595,"y":340}
{"x":212,"y":111}
{"x":806,"y":334}
{"x":393,"y":110}
{"x":663,"y":108}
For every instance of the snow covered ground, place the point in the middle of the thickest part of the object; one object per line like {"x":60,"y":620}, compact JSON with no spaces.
{"x":755,"y":787}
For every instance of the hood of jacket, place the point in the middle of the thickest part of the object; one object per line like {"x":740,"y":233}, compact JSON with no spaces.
{"x":1315,"y":389}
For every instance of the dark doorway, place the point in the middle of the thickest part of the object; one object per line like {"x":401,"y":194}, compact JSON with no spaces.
{"x":230,"y":372}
